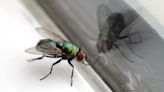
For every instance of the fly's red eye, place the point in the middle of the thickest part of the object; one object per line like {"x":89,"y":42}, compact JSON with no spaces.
{"x":80,"y":56}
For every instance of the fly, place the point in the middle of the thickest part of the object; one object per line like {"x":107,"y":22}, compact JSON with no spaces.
{"x":111,"y":25}
{"x":55,"y":46}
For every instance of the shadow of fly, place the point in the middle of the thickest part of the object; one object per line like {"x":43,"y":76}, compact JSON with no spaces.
{"x":111,"y":25}
{"x":55,"y":46}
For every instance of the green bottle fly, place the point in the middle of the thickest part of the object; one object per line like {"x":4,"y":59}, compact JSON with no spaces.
{"x":62,"y":49}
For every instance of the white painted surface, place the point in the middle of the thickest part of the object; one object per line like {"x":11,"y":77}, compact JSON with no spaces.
{"x":18,"y":75}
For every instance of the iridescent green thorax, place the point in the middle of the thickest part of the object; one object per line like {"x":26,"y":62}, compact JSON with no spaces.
{"x":104,"y":35}
{"x":68,"y":47}
{"x":113,"y":27}
{"x":110,"y":33}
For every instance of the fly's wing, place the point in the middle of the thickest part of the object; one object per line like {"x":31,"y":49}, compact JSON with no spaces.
{"x":47,"y":48}
{"x":47,"y":33}
{"x":102,"y":13}
{"x":45,"y":51}
{"x":50,"y":50}
{"x":33,"y":50}
{"x":129,"y":16}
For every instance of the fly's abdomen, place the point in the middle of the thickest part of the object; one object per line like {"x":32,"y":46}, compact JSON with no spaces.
{"x":48,"y":46}
{"x":45,"y":44}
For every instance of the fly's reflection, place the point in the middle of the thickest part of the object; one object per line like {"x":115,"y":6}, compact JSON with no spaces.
{"x":111,"y":25}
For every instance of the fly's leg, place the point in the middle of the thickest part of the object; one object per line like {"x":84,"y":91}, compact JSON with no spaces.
{"x":97,"y":59}
{"x":123,"y":53}
{"x":50,"y":56}
{"x":135,"y":36}
{"x":85,"y":63}
{"x":72,"y":71}
{"x":39,"y":58}
{"x":132,"y":37}
{"x":51,"y":69}
{"x":123,"y":37}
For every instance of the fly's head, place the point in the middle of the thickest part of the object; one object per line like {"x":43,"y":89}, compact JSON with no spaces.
{"x":82,"y":56}
{"x":104,"y":45}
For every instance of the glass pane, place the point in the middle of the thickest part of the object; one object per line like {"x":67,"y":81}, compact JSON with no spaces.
{"x":131,"y":60}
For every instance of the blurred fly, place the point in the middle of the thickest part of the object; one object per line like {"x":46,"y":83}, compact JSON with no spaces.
{"x":55,"y":46}
{"x":111,"y":25}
